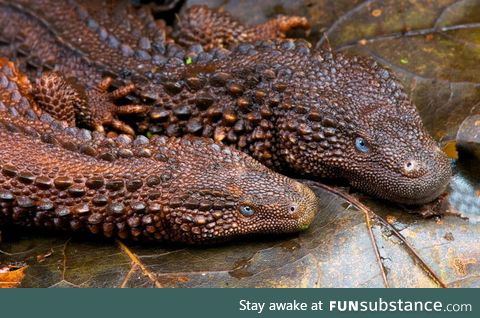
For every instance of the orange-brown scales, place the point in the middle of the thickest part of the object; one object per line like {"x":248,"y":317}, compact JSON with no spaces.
{"x":187,"y":190}
{"x":200,"y":25}
{"x":294,"y":109}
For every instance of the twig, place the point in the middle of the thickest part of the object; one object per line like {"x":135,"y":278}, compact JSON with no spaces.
{"x":369,"y":215}
{"x":136,"y":262}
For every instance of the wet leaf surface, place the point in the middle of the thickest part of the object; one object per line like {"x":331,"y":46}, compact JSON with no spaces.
{"x":434,"y":47}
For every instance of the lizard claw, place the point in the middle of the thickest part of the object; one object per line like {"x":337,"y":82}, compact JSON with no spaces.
{"x":214,"y":28}
{"x":94,"y":107}
{"x":104,"y":110}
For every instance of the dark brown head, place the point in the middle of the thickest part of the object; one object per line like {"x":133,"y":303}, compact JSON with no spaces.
{"x":230,"y":195}
{"x":356,"y":122}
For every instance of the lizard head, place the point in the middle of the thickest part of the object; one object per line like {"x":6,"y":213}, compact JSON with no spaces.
{"x":355,"y":122}
{"x":234,"y":195}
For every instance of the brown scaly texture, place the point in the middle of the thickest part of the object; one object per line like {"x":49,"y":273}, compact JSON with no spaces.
{"x":94,"y":107}
{"x":294,"y":109}
{"x":216,"y":28}
{"x":187,"y":190}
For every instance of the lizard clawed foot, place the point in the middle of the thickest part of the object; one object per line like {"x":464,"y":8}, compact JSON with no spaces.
{"x":213,"y":28}
{"x":104,"y":111}
{"x":95,"y":108}
{"x":280,"y":26}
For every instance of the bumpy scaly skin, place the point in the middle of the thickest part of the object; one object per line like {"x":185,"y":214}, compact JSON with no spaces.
{"x":216,"y":28}
{"x":298,"y":110}
{"x":289,"y":107}
{"x":182,"y":190}
{"x":93,"y":108}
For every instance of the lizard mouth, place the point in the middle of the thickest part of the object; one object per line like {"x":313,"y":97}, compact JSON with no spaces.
{"x":408,"y":196}
{"x":410,"y":190}
{"x":425,"y":198}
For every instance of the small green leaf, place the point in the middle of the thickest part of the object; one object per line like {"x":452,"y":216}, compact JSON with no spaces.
{"x":404,"y":61}
{"x":188,"y":60}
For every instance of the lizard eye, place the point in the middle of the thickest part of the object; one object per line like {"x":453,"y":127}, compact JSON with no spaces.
{"x":246,"y":210}
{"x":361,"y":145}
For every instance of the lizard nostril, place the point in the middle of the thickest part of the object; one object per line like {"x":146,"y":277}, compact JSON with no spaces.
{"x":293,"y":208}
{"x":411,"y":166}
